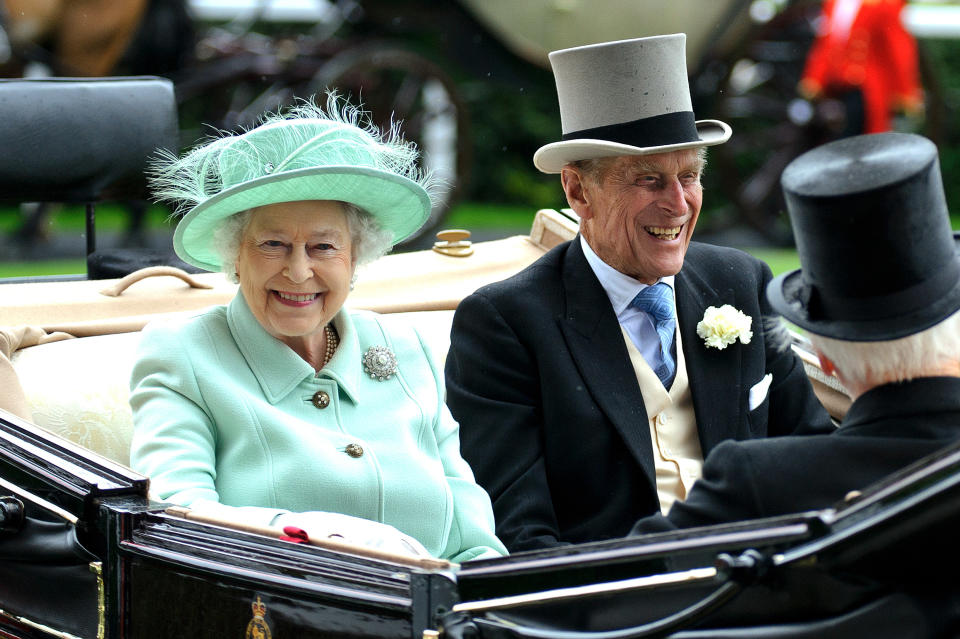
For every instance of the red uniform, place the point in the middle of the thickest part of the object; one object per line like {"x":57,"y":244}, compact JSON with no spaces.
{"x":862,"y":44}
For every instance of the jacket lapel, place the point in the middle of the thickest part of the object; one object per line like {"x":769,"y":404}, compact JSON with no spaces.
{"x":596,"y":346}
{"x":716,"y":401}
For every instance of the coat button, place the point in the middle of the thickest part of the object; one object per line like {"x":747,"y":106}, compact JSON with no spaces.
{"x":321,"y":399}
{"x":354,"y":450}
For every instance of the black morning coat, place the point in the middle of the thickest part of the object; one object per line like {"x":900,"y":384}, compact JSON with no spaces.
{"x":551,"y":415}
{"x":886,"y":429}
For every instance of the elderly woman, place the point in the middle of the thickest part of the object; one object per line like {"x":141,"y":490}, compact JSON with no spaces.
{"x":284,"y":408}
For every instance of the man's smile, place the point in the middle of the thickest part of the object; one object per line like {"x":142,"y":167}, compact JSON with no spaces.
{"x":664,"y":232}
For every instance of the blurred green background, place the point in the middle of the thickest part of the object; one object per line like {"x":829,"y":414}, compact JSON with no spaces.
{"x":509,"y":104}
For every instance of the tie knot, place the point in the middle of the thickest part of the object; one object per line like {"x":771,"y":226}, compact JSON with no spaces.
{"x":656,"y":300}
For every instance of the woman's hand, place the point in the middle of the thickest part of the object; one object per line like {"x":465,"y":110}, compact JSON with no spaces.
{"x":353,"y":530}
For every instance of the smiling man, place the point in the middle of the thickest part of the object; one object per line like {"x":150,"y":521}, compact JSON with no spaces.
{"x":590,"y":386}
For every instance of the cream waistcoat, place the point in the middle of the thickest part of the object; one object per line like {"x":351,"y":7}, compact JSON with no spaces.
{"x":677,"y":456}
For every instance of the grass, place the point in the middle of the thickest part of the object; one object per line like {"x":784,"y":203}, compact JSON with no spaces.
{"x":779,"y":260}
{"x":72,"y":219}
{"x":472,"y":215}
{"x":469,"y":215}
{"x":43,"y":267}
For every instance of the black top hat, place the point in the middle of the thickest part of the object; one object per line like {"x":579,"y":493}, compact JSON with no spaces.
{"x":870,"y":219}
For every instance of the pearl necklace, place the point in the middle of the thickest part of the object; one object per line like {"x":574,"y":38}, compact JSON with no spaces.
{"x":333,"y":340}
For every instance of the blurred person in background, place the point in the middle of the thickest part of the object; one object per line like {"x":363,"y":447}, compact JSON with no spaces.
{"x":863,"y":57}
{"x":93,"y":38}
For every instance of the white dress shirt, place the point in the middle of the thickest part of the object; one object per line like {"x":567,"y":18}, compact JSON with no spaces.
{"x":621,"y":289}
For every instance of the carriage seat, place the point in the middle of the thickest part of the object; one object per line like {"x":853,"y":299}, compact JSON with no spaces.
{"x":84,"y":140}
{"x":78,"y":388}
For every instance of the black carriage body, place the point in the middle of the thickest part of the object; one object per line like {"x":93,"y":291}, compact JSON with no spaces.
{"x":95,"y":558}
{"x":126,"y":568}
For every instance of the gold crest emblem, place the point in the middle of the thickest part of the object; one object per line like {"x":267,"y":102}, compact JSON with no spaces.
{"x":258,"y":628}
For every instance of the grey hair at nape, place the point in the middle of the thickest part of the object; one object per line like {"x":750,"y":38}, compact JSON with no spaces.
{"x":895,"y":360}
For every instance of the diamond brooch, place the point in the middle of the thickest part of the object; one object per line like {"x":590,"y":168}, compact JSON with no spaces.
{"x":379,"y":362}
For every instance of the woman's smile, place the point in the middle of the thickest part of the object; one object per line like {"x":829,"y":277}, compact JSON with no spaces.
{"x":295,"y":299}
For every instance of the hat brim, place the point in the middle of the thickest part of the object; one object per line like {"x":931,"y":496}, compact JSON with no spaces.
{"x":784,"y":293}
{"x":399,"y":204}
{"x":551,"y":158}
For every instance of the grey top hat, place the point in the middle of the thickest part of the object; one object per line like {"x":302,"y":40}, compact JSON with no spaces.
{"x":870,"y":219}
{"x":629,"y":97}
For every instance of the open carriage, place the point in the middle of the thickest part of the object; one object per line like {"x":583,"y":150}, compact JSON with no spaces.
{"x":85,"y":552}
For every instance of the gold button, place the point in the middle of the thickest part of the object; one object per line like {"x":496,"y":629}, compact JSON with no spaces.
{"x":354,"y":450}
{"x":321,"y":399}
{"x":453,"y":235}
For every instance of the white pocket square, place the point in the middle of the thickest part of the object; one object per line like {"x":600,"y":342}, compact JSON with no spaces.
{"x":759,"y":391}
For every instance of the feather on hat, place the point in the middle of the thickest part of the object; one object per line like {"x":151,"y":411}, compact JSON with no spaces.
{"x":303,"y":153}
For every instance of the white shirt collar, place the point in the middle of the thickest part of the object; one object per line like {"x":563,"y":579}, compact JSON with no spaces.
{"x":620,"y":288}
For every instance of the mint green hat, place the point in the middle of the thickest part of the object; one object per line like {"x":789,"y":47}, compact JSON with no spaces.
{"x":301,"y":154}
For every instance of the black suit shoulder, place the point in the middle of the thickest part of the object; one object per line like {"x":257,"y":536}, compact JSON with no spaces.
{"x":711,"y":263}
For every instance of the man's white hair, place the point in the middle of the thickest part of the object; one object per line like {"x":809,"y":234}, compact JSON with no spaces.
{"x":369,"y":241}
{"x":899,"y":360}
{"x":597,"y":169}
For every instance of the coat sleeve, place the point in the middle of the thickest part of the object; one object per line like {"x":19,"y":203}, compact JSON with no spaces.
{"x":493,"y":392}
{"x":174,"y":437}
{"x":472,"y":534}
{"x":726,"y":492}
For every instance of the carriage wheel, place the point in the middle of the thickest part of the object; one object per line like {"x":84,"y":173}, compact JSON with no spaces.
{"x":229,"y":91}
{"x":771,"y":124}
{"x":403,"y":85}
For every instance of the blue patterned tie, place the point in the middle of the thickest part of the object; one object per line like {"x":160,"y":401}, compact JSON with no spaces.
{"x":657,"y":300}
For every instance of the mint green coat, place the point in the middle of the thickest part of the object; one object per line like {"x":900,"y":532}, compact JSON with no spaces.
{"x":223,"y":412}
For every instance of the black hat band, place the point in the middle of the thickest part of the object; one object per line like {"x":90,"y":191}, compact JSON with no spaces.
{"x":658,"y":130}
{"x":823,"y":305}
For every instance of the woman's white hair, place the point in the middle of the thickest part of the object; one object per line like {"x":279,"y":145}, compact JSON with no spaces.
{"x":369,"y":241}
{"x":899,"y":360}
